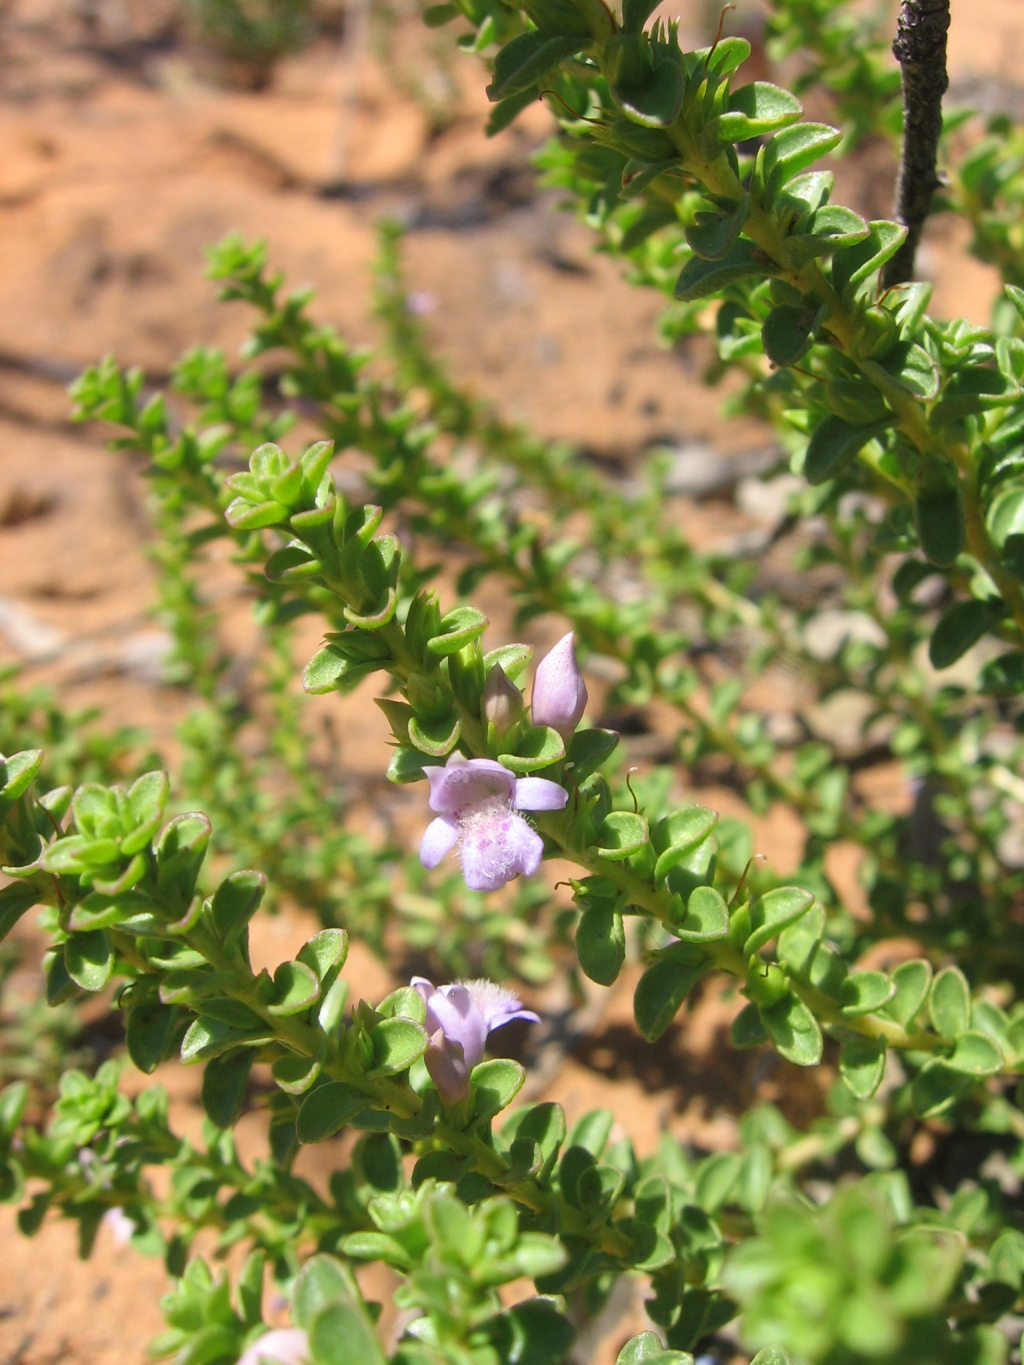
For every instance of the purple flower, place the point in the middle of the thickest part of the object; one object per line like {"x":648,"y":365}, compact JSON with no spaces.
{"x":283,"y":1346}
{"x":559,"y":692}
{"x":459,"y":1018}
{"x":476,"y":801}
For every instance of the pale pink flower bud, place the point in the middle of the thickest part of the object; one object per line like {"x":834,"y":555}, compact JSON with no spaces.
{"x":502,"y":702}
{"x":559,"y":692}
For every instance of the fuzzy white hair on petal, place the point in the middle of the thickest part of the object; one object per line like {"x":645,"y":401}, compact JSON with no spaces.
{"x":493,"y":1001}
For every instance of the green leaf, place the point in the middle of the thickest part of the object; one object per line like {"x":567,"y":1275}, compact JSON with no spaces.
{"x":622,"y":833}
{"x":854,"y":264}
{"x":794,"y":1031}
{"x":637,"y":176}
{"x":912,"y":980}
{"x":508,"y":110}
{"x":661,"y":991}
{"x":973,"y":390}
{"x":747,"y":1028}
{"x":151,"y":1034}
{"x":538,"y":747}
{"x":225,"y":1081}
{"x":713,"y":235}
{"x":235,"y":902}
{"x":724,"y":56}
{"x":406,"y":765}
{"x":343,"y":1335}
{"x":514,"y":660}
{"x":588,"y":749}
{"x":592,"y":1130}
{"x":542,"y":1124}
{"x":907,"y":369}
{"x":601,"y":943}
{"x":147,"y":797}
{"x":322,"y":1281}
{"x":949,"y":1003}
{"x":773,"y":912}
{"x":787,"y":333}
{"x":1004,"y":675}
{"x":397,"y":1043}
{"x":325,"y":953}
{"x":292,"y":564}
{"x":13,"y":1103}
{"x":436,"y":738}
{"x":496,"y":1083}
{"x":754,"y":110}
{"x":707,"y":917}
{"x":17,"y":773}
{"x":523,"y":61}
{"x":1005,"y":517}
{"x":295,"y":1075}
{"x":242,"y":515}
{"x":695,"y":868}
{"x":531,"y":1333}
{"x":941,"y":525}
{"x":794,"y":149}
{"x":635,"y":14}
{"x":855,"y":401}
{"x":826,"y":231}
{"x":328,"y":1108}
{"x":675,"y":835}
{"x":834,"y":444}
{"x":180,"y":851}
{"x":771,"y":1355}
{"x":460,"y":627}
{"x":332,"y":670}
{"x":960,"y":627}
{"x":598,"y":1190}
{"x":699,"y":278}
{"x":295,"y":988}
{"x":14,"y":901}
{"x":862,"y":1065}
{"x":89,"y":959}
{"x":864,"y":992}
{"x":655,"y":104}
{"x":975,"y":1054}
{"x":716,"y":1178}
{"x":937,"y":1087}
{"x":404,"y":1003}
{"x":209,"y":1036}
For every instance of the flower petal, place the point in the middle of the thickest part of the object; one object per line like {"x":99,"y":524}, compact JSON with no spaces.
{"x":497,"y":1004}
{"x":538,"y":793}
{"x":461,"y":784}
{"x":446,"y":1063}
{"x":284,"y":1346}
{"x":425,"y":987}
{"x":498,"y":845}
{"x":528,"y":1015}
{"x":439,"y":838}
{"x":453,"y":1010}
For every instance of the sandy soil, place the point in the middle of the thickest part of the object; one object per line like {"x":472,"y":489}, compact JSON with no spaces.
{"x":120,"y":164}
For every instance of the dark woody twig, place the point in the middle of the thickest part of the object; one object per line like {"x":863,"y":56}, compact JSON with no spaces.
{"x":920,"y":49}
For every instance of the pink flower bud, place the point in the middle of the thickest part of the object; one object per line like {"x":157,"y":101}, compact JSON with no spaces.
{"x":502,"y":702}
{"x":559,"y":692}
